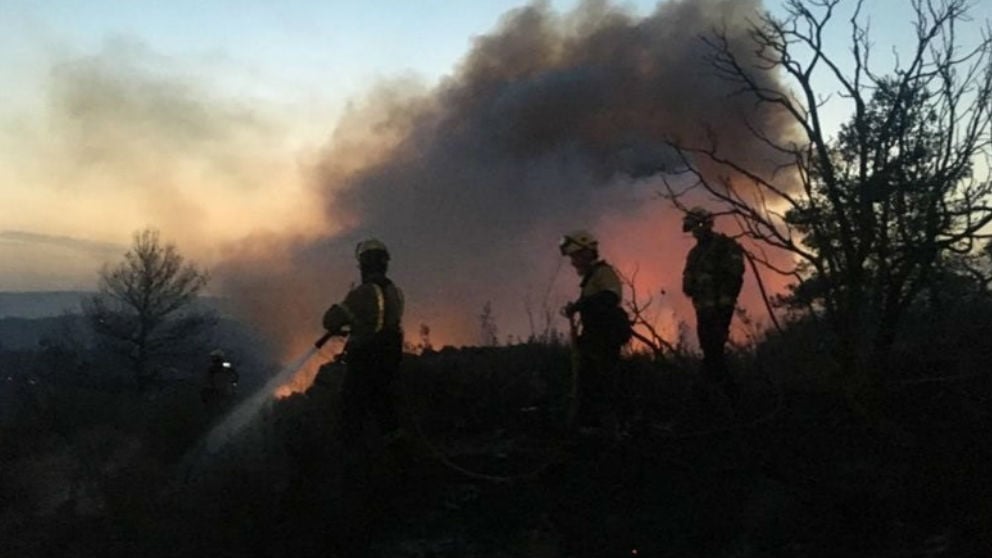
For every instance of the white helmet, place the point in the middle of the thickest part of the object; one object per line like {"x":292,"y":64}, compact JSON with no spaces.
{"x":369,"y":245}
{"x":697,"y":217}
{"x":577,"y":241}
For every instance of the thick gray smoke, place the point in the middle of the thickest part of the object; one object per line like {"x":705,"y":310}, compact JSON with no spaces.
{"x":551,"y":123}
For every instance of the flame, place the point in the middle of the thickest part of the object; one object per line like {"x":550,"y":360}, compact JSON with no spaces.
{"x":301,"y":380}
{"x":304,"y":376}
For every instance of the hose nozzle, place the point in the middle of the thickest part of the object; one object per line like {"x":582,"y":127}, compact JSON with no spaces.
{"x":323,"y":339}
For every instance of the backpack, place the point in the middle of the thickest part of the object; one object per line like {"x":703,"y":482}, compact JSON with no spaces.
{"x":621,"y":330}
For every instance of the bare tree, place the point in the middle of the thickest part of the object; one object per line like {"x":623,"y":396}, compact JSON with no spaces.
{"x":144,"y":304}
{"x":873,"y":213}
{"x":488,"y":331}
{"x":644,"y":325}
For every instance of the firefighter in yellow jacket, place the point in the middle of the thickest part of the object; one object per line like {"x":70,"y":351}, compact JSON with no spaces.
{"x":605,"y":329}
{"x":712,"y":278}
{"x":371,"y":315}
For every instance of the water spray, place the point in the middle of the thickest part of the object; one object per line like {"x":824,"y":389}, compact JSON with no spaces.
{"x":235,"y":421}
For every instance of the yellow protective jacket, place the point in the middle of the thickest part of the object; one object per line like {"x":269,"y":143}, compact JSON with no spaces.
{"x":599,"y":302}
{"x":714,"y":271}
{"x":601,"y":278}
{"x":371,"y":308}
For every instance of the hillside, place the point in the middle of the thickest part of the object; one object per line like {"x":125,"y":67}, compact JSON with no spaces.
{"x":486,"y":471}
{"x":40,"y":304}
{"x":29,"y":318}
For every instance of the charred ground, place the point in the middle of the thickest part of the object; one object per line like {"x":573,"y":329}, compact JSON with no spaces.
{"x":91,"y":469}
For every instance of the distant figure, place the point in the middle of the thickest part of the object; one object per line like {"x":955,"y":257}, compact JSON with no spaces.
{"x":221,"y":382}
{"x":714,"y":271}
{"x":371,"y":316}
{"x":605,"y":329}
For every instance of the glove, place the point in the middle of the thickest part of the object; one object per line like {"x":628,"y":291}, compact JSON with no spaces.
{"x":569,"y":309}
{"x":323,"y":339}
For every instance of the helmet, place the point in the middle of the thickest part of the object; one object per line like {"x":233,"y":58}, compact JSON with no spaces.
{"x":217,"y":354}
{"x":576,"y":241}
{"x":369,"y":245}
{"x":697,"y":217}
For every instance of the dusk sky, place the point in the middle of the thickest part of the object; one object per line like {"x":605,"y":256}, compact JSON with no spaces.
{"x":270,"y":78}
{"x":208,"y":119}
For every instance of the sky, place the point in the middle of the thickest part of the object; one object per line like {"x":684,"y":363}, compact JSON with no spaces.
{"x":273,"y":76}
{"x":264,"y":138}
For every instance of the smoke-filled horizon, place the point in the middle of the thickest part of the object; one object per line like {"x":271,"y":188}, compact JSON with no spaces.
{"x":551,"y":123}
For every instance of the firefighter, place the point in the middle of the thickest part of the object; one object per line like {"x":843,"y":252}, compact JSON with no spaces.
{"x":605,"y":329}
{"x":221,"y":381}
{"x":371,"y":316}
{"x":714,"y":271}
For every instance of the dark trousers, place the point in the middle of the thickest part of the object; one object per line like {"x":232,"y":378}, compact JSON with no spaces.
{"x":368,"y":390}
{"x":712,"y":329}
{"x":598,"y":361}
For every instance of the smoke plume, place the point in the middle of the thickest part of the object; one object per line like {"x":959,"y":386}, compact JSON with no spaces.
{"x":126,"y":138}
{"x":550,"y":123}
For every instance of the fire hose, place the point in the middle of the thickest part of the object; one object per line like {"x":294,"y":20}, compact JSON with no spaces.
{"x":447,"y":460}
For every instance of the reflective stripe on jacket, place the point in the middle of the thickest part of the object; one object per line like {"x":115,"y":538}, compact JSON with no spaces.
{"x":374,"y":306}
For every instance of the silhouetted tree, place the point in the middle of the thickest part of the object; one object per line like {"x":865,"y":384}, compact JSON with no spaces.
{"x":488,"y":331}
{"x":144,"y":304}
{"x":643,"y":323}
{"x":875,"y":213}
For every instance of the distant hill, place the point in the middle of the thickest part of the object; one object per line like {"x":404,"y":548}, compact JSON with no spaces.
{"x":40,"y":304}
{"x":47,"y":304}
{"x":26,"y":318}
{"x":29,"y":333}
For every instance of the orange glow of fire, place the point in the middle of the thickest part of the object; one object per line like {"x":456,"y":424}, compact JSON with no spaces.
{"x":304,"y":376}
{"x":301,"y":380}
{"x":650,"y":249}
{"x":647,"y":246}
